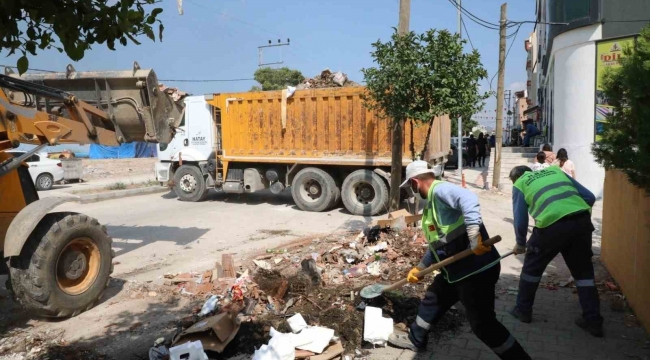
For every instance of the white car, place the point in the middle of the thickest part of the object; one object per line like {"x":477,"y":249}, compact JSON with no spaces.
{"x":45,"y":172}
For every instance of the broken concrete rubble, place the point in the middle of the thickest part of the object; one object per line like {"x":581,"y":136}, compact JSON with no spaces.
{"x":326,"y":79}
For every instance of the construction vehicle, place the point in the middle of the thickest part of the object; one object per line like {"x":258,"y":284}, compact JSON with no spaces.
{"x":59,"y":263}
{"x":322,"y":143}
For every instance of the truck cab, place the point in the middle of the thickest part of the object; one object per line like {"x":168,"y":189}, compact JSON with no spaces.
{"x":193,"y":144}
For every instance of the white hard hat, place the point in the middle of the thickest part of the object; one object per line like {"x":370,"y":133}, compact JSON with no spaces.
{"x":420,"y":167}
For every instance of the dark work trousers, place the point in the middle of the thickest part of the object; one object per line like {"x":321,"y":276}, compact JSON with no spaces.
{"x":481,"y":159}
{"x":476,"y":293}
{"x":471,"y":157}
{"x":570,"y":236}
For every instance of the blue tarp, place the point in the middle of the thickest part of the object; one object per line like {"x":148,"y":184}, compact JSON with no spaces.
{"x":124,"y":151}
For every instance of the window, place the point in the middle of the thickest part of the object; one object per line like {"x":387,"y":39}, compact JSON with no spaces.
{"x":568,"y":10}
{"x":35,"y":158}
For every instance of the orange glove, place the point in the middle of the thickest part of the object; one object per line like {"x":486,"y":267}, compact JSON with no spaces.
{"x":479,"y":248}
{"x":411,"y":276}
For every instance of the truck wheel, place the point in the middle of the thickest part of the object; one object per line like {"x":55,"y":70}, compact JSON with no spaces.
{"x":365,"y":193}
{"x":313,"y":190}
{"x":189,"y":184}
{"x":44,"y":182}
{"x":64,"y":266}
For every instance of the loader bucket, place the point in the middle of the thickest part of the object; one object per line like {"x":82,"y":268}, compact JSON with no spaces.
{"x":140,"y":110}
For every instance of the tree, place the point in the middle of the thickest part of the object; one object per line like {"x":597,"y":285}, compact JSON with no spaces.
{"x":276,"y":79}
{"x":27,"y":26}
{"x":625,"y":143}
{"x":421,"y":76}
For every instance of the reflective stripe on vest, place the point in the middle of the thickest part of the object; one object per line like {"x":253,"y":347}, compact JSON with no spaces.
{"x":550,"y":195}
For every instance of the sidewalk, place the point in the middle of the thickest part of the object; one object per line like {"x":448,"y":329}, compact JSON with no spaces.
{"x":552,"y":335}
{"x":94,"y":184}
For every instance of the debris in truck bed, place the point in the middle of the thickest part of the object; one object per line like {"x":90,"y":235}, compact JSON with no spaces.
{"x":320,"y":279}
{"x":327,"y":79}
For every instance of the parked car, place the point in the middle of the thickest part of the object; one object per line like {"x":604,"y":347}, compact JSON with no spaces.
{"x":452,"y":160}
{"x":454,"y":140}
{"x":45,"y":172}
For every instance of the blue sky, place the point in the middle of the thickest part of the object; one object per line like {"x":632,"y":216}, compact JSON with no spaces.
{"x":218,"y":39}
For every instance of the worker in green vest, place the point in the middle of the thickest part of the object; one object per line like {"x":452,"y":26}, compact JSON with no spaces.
{"x":452,"y":222}
{"x":561,"y":208}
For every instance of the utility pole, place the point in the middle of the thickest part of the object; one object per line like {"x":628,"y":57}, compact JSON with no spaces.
{"x":460,"y":119}
{"x":502,"y":70}
{"x":398,"y":124}
{"x":260,"y":49}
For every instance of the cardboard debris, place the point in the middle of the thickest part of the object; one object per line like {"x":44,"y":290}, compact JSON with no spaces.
{"x":376,"y":328}
{"x":399,"y":213}
{"x":318,"y":338}
{"x":330,"y":353}
{"x":214,"y":332}
{"x":408,"y":220}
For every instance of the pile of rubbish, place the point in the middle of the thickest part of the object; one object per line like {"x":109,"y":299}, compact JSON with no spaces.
{"x":303,"y":301}
{"x":326,"y":79}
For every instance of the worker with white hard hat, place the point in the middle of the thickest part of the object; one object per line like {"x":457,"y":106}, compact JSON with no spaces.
{"x":451,"y":221}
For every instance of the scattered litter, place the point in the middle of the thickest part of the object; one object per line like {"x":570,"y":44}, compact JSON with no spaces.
{"x":330,"y":353}
{"x":318,"y":337}
{"x":280,"y":347}
{"x":297,"y":323}
{"x":159,"y":351}
{"x":376,"y":328}
{"x":611,"y":286}
{"x":263,"y":264}
{"x":214,"y":332}
{"x":192,"y":350}
{"x":210,"y":305}
{"x":374,"y":268}
{"x":568,"y":282}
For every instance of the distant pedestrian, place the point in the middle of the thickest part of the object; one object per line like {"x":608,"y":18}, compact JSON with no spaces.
{"x":564,"y":163}
{"x":472,"y":150}
{"x":482,"y":145}
{"x":531,"y":131}
{"x":493,"y":141}
{"x":541,"y":162}
{"x":550,"y":155}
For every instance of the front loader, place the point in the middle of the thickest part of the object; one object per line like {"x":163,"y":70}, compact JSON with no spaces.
{"x":59,"y":263}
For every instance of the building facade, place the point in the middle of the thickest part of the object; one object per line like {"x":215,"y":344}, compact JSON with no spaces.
{"x":575,"y":40}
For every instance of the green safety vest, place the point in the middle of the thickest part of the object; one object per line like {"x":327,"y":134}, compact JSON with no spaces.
{"x":438,"y":234}
{"x":550,"y":195}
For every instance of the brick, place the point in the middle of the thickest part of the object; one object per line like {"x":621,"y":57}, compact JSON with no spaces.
{"x":562,"y":349}
{"x":488,"y":355}
{"x":467,"y":353}
{"x":545,"y":355}
{"x":542,"y":338}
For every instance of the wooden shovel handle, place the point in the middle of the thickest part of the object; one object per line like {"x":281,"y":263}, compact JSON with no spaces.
{"x":452,"y":259}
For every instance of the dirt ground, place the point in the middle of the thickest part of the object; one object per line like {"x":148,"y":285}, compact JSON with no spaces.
{"x":116,"y":168}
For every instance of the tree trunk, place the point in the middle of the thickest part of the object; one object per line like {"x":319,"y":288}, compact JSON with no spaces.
{"x":396,"y":163}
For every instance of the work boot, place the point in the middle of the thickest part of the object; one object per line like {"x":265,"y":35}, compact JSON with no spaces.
{"x":401,"y":340}
{"x":522,"y":316}
{"x":595,"y":328}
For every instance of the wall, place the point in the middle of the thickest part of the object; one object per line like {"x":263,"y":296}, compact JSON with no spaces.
{"x":625,"y":245}
{"x":624,"y":10}
{"x":574,"y":58}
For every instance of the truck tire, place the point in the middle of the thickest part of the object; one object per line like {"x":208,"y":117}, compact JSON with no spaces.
{"x":44,"y":181}
{"x":189,"y":184}
{"x":64,"y":267}
{"x":365,"y":193}
{"x":314,"y":190}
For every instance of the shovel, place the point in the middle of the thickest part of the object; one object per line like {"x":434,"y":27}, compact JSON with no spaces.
{"x":372,"y":291}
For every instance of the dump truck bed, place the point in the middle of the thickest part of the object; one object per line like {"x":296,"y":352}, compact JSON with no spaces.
{"x":316,"y":126}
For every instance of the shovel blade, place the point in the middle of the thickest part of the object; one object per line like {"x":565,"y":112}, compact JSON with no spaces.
{"x":372,"y":291}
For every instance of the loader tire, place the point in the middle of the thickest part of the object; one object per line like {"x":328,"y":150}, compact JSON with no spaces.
{"x":189,"y":184}
{"x":64,"y":267}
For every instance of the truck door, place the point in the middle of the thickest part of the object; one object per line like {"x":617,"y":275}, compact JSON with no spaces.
{"x":198,"y":121}
{"x":165,"y":153}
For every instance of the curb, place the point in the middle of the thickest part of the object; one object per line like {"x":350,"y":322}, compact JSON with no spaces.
{"x":118,"y":194}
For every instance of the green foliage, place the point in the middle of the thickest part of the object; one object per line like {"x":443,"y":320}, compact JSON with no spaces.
{"x":28,"y":26}
{"x":116,"y":186}
{"x":467,"y":125}
{"x":625,"y":144}
{"x":422,"y":76}
{"x":276,"y":79}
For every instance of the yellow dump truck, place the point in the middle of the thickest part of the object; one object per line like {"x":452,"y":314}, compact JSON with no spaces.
{"x":323,"y":144}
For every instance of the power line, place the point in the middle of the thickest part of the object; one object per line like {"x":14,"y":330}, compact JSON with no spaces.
{"x":506,"y":57}
{"x":33,"y":69}
{"x":467,"y":32}
{"x":473,"y":17}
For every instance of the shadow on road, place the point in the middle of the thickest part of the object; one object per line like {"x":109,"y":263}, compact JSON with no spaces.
{"x":134,"y":237}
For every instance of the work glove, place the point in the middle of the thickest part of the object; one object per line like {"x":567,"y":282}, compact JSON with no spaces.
{"x":411,"y":276}
{"x":519,"y":249}
{"x":476,"y":240}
